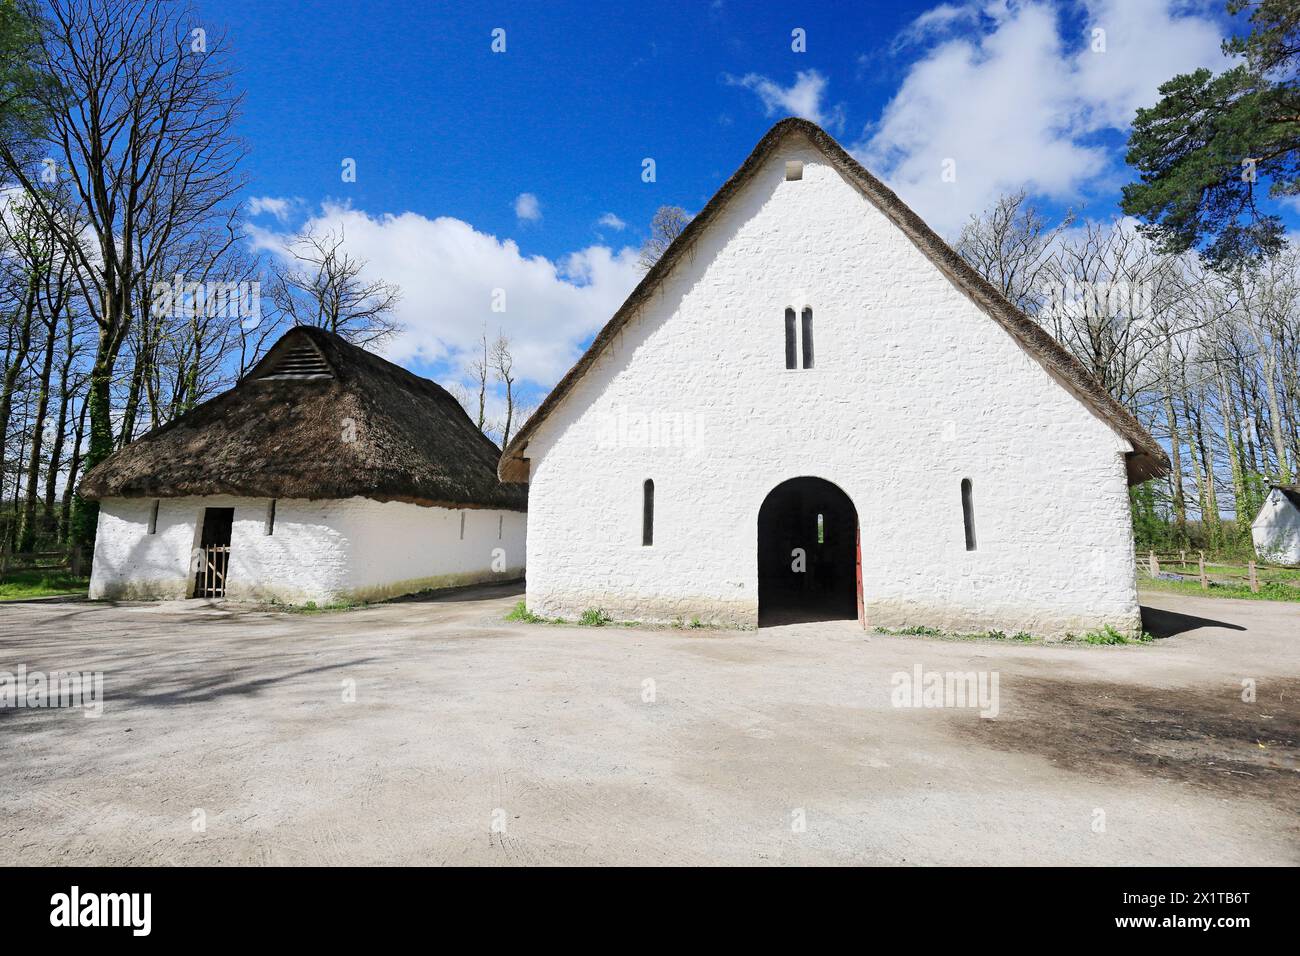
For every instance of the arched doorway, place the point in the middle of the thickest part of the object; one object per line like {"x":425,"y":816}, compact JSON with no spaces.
{"x":807,"y":554}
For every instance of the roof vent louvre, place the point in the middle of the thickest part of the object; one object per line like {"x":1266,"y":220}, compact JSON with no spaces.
{"x":299,"y":362}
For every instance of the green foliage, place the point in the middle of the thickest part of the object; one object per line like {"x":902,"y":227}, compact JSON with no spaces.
{"x":1109,"y":636}
{"x":22,"y":83}
{"x":1191,"y":147}
{"x":1152,"y":530}
{"x":594,"y":617}
{"x":30,"y":584}
{"x":521,"y":613}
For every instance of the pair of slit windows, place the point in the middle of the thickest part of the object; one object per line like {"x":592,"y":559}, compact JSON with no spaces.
{"x":803,"y":331}
{"x":648,"y":515}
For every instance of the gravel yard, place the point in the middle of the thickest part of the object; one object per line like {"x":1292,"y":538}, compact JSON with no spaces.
{"x":433,"y":731}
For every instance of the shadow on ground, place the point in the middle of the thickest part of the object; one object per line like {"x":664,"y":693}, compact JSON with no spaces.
{"x":1161,"y":623}
{"x":1206,"y":736}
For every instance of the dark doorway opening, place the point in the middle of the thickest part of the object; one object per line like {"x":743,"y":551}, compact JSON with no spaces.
{"x":214,"y":552}
{"x":808,"y":561}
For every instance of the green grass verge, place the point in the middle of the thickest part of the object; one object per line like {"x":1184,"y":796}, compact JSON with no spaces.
{"x":1268,"y":591}
{"x":920,"y":630}
{"x":1106,"y":636}
{"x":16,"y":585}
{"x":311,"y":607}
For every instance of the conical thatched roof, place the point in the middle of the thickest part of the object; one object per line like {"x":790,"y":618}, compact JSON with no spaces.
{"x":1148,"y":458}
{"x":317,"y":418}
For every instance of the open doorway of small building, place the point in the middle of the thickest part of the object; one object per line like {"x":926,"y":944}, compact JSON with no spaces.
{"x":808,"y":558}
{"x":214,"y":552}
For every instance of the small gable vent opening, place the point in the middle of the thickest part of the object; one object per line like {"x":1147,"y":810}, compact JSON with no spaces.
{"x":299,"y":362}
{"x":153,"y":517}
{"x":793,"y":170}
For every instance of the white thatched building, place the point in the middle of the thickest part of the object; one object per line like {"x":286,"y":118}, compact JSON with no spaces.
{"x":936,"y":459}
{"x":1276,"y":529}
{"x":325,"y":474}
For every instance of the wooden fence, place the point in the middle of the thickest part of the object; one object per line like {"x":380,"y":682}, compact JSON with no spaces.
{"x":1155,"y":568}
{"x":70,"y":560}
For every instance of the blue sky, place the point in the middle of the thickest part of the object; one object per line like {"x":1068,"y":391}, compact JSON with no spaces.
{"x":448,"y":135}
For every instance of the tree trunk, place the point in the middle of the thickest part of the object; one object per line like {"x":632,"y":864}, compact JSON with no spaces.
{"x":74,"y":468}
{"x":1176,"y":469}
{"x":27,"y":526}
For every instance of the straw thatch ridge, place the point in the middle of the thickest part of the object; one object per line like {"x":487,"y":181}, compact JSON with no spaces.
{"x":366,"y":427}
{"x":1147,"y":460}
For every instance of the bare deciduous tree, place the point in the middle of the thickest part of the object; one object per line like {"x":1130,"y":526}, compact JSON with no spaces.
{"x":323,"y":286}
{"x":141,"y":131}
{"x":667,"y":225}
{"x":1011,"y":245}
{"x":503,"y":365}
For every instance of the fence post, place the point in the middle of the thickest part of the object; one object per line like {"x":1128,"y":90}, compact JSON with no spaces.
{"x":1182,"y":559}
{"x":1153,"y":564}
{"x":75,"y":563}
{"x":1254,"y":578}
{"x":1205,"y":582}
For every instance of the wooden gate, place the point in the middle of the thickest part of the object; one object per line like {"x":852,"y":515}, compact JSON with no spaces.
{"x":213,"y":561}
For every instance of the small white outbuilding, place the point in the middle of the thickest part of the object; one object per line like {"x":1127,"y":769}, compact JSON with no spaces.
{"x":326,"y":474}
{"x":1276,"y":529}
{"x":937,"y":459}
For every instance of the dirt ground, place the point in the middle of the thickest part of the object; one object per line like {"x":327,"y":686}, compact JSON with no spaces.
{"x":227,"y":737}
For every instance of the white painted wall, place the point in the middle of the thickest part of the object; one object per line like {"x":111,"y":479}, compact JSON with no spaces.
{"x":322,"y":551}
{"x":1276,"y":530}
{"x":914,"y":389}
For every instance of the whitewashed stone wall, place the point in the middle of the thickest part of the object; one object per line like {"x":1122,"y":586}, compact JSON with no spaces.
{"x":1276,"y":530}
{"x":914,"y":389}
{"x":322,"y":551}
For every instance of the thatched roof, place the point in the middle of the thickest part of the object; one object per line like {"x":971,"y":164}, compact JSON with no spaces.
{"x":1147,"y":460}
{"x":317,"y":418}
{"x":1290,"y":492}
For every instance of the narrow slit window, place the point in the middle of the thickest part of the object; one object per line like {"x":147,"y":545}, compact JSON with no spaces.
{"x":807,"y":339}
{"x":789,"y":340}
{"x":462,"y":526}
{"x":270,"y":517}
{"x":968,"y":513}
{"x":501,"y":521}
{"x":153,"y":517}
{"x":648,"y":514}
{"x":821,"y":529}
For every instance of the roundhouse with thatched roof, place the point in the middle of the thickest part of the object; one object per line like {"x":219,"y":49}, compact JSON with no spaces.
{"x":326,"y":474}
{"x":811,"y":407}
{"x":1276,"y":529}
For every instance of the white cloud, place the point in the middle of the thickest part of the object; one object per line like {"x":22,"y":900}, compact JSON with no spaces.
{"x":1020,"y":104}
{"x":937,"y":20}
{"x":278,"y":207}
{"x":449,"y":274}
{"x":527,"y":208}
{"x":611,"y":221}
{"x":801,"y":98}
